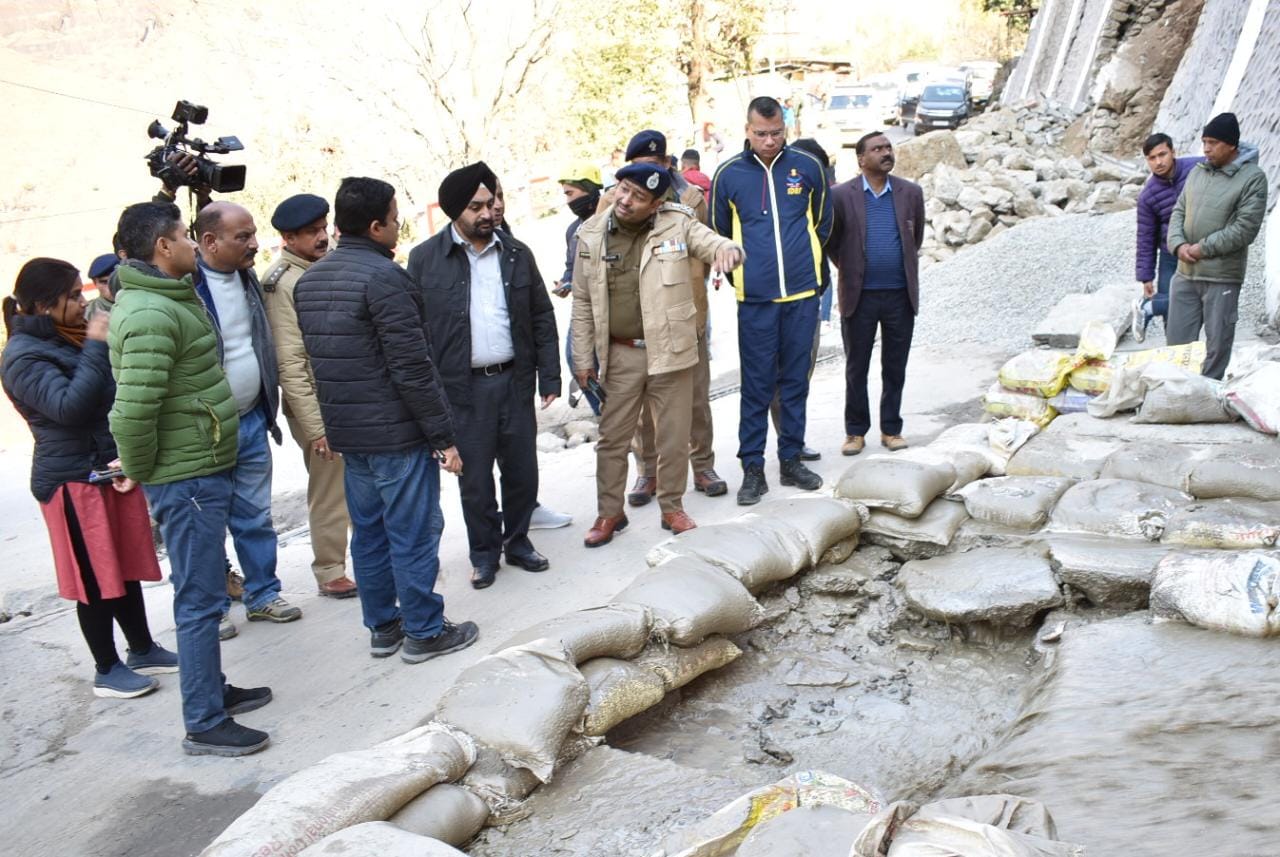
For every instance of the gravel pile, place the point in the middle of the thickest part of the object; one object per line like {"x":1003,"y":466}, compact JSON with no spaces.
{"x":995,"y":292}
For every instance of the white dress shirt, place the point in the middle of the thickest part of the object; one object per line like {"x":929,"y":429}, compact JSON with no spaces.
{"x":490,"y":320}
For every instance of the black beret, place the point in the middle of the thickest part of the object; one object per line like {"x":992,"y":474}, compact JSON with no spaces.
{"x":297,"y":211}
{"x":459,"y":187}
{"x":647,"y":143}
{"x":654,"y":178}
{"x":103,"y":265}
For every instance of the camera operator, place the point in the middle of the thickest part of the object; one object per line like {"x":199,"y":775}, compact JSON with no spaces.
{"x":169,"y":184}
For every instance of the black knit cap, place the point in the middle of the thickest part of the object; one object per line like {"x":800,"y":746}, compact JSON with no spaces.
{"x":459,"y":187}
{"x":1223,"y":127}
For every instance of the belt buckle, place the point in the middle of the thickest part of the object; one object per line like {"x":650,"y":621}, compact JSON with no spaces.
{"x":637,"y":343}
{"x":497,"y":367}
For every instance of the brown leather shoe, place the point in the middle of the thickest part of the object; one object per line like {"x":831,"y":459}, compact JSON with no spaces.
{"x":601,"y":532}
{"x":678,"y":522}
{"x":642,"y":492}
{"x":892,"y":442}
{"x":709,"y":482}
{"x":343,"y":587}
{"x":235,"y":584}
{"x":853,"y":444}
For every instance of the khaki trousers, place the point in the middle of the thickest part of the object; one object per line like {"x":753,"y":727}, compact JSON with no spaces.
{"x":326,"y":510}
{"x":702,"y":454}
{"x":630,"y":389}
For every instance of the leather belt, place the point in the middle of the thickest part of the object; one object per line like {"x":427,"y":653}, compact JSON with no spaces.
{"x":630,"y":343}
{"x":492,"y":368}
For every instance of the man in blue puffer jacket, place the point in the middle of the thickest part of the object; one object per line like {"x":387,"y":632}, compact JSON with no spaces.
{"x":772,"y":200}
{"x":1155,"y":204}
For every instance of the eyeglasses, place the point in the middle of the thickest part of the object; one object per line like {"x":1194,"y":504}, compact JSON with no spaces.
{"x":767,"y":135}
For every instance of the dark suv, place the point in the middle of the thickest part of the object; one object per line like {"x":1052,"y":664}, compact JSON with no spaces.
{"x":942,"y":105}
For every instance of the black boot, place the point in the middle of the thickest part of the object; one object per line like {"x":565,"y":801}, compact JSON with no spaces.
{"x":793,"y":472}
{"x":753,"y":485}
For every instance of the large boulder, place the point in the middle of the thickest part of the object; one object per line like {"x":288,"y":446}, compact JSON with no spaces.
{"x":920,"y":155}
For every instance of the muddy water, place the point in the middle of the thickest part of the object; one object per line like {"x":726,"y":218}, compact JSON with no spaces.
{"x":1150,"y":739}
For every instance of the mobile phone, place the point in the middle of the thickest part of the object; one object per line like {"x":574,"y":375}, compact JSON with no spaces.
{"x":97,"y":476}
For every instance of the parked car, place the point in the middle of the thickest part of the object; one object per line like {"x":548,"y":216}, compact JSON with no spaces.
{"x":942,"y":105}
{"x":849,"y":114}
{"x":982,"y":77}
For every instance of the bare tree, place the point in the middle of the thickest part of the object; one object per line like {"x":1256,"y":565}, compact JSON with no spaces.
{"x":718,"y":37}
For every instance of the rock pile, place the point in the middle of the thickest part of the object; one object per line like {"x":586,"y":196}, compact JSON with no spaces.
{"x":1005,"y":166}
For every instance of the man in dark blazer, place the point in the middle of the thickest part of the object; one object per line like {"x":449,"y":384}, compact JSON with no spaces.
{"x":876,"y":247}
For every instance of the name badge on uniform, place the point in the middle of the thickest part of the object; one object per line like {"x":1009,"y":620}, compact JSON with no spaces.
{"x":669,"y":246}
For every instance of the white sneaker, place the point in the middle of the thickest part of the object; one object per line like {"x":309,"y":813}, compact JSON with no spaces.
{"x":548,"y":519}
{"x":226,"y":630}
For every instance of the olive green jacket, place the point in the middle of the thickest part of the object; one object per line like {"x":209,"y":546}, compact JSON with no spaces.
{"x":1221,"y":209}
{"x":174,"y":417}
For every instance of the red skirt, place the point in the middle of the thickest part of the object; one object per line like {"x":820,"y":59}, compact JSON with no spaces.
{"x":116,"y":531}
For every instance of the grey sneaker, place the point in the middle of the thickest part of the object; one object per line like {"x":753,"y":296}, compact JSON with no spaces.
{"x":275,"y":610}
{"x":155,"y":661}
{"x":122,"y":683}
{"x":228,"y":738}
{"x":226,"y":630}
{"x":548,"y":519}
{"x":452,"y":638}
{"x":385,"y":640}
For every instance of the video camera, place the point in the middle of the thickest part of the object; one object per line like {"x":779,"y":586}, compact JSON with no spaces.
{"x":223,"y":179}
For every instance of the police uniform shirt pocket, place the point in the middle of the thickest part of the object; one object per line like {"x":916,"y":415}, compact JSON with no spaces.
{"x":682,"y":330}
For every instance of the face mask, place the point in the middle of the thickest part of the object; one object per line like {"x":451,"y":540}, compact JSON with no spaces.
{"x":585,"y":206}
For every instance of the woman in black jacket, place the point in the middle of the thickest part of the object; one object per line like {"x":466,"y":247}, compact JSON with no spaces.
{"x":56,"y":372}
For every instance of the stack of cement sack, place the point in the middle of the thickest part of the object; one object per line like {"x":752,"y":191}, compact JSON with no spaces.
{"x":515,"y":715}
{"x":815,"y":814}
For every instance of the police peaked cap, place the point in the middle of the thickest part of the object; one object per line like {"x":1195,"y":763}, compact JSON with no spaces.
{"x":648,"y":142}
{"x":654,"y":178}
{"x":297,"y":211}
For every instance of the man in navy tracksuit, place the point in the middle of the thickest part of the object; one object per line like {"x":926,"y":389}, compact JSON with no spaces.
{"x":772,"y":199}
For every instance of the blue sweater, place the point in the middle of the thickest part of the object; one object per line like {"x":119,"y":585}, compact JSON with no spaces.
{"x":885,"y":269}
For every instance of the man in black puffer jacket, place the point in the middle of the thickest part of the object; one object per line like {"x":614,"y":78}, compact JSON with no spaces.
{"x":493,"y":332}
{"x":384,"y":409}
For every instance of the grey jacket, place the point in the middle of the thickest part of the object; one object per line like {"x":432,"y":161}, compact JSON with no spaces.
{"x":1221,"y":209}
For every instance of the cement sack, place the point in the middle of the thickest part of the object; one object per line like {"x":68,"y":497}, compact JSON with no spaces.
{"x":1095,"y":376}
{"x":677,"y":667}
{"x":1182,"y":398}
{"x":691,"y":600}
{"x":446,"y":812}
{"x":500,"y":785}
{"x":1156,"y":462}
{"x":946,"y":829}
{"x":968,"y":464}
{"x":1236,"y":470}
{"x":1059,"y":454}
{"x":898,"y":485}
{"x":379,"y":839}
{"x":615,"y":631}
{"x":1256,"y":398}
{"x":1002,"y":403}
{"x":1230,"y":523}
{"x":619,"y":690}
{"x":346,"y":789}
{"x":757,"y":555}
{"x":1000,"y":586}
{"x":1116,"y":508}
{"x":1022,"y":502}
{"x":806,"y":831}
{"x":1038,"y":372}
{"x":822,"y":521}
{"x":722,"y":833}
{"x":974,"y":437}
{"x":1009,"y":435}
{"x":937,"y":526}
{"x":522,"y":702}
{"x":1110,"y":573}
{"x":1235,"y":592}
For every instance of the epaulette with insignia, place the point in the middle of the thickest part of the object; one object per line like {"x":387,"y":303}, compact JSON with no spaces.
{"x":680,"y":207}
{"x":273,"y":275}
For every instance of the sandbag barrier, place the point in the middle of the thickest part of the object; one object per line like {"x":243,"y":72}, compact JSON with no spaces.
{"x":547,"y":693}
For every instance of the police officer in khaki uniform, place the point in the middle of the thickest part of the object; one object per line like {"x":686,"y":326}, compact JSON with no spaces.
{"x":650,"y":147}
{"x":634,"y":310}
{"x":303,"y":223}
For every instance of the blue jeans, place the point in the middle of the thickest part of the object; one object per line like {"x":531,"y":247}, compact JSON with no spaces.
{"x":824,"y":308}
{"x":192,"y":514}
{"x":1165,"y":270}
{"x":396,"y":522}
{"x":250,"y":523}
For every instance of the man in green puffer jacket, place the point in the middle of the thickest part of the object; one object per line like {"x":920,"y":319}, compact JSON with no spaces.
{"x":175,"y":424}
{"x":1216,"y":218}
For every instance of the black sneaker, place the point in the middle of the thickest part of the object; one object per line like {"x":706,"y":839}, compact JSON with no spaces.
{"x":238,"y":700}
{"x":228,"y":738}
{"x":793,"y":472}
{"x":452,"y":639}
{"x":753,"y":485}
{"x":385,"y":640}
